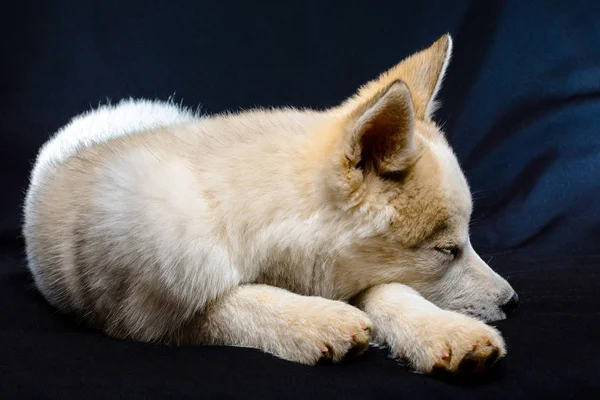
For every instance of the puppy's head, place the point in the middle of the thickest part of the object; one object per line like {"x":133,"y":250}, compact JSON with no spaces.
{"x":395,"y":174}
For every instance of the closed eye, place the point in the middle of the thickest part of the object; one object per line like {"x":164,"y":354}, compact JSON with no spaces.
{"x":450,"y":251}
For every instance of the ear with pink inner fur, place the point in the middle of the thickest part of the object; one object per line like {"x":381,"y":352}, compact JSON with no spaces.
{"x":381,"y":131}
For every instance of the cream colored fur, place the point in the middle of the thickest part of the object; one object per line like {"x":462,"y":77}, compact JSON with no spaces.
{"x":258,"y":229}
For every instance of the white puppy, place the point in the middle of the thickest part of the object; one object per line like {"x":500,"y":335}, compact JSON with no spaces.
{"x":258,"y":229}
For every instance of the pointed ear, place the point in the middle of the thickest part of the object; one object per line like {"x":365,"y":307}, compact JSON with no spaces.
{"x":381,"y":131}
{"x":423,"y":72}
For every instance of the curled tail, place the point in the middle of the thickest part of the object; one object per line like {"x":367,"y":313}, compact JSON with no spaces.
{"x":103,"y":123}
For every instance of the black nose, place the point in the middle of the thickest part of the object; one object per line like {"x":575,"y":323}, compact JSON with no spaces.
{"x":510,"y":305}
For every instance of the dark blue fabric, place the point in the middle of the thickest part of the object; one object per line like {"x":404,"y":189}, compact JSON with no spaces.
{"x":521,"y":107}
{"x":521,"y":99}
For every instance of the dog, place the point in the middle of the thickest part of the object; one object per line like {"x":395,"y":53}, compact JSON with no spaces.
{"x":306,"y":234}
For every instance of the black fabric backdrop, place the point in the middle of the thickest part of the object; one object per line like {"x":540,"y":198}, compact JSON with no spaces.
{"x":521,"y":108}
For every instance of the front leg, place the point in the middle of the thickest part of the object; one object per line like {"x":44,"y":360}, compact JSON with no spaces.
{"x":428,"y":337}
{"x":298,"y":328}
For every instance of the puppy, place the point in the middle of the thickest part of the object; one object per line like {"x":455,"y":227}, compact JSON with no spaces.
{"x":302,"y":233}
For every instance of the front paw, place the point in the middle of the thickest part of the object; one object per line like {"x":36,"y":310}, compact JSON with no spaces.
{"x":451,"y":342}
{"x":320,"y":329}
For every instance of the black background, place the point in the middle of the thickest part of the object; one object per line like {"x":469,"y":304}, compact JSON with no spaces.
{"x":521,"y":107}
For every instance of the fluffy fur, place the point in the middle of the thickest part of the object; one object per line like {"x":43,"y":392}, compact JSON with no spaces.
{"x":260,"y":229}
